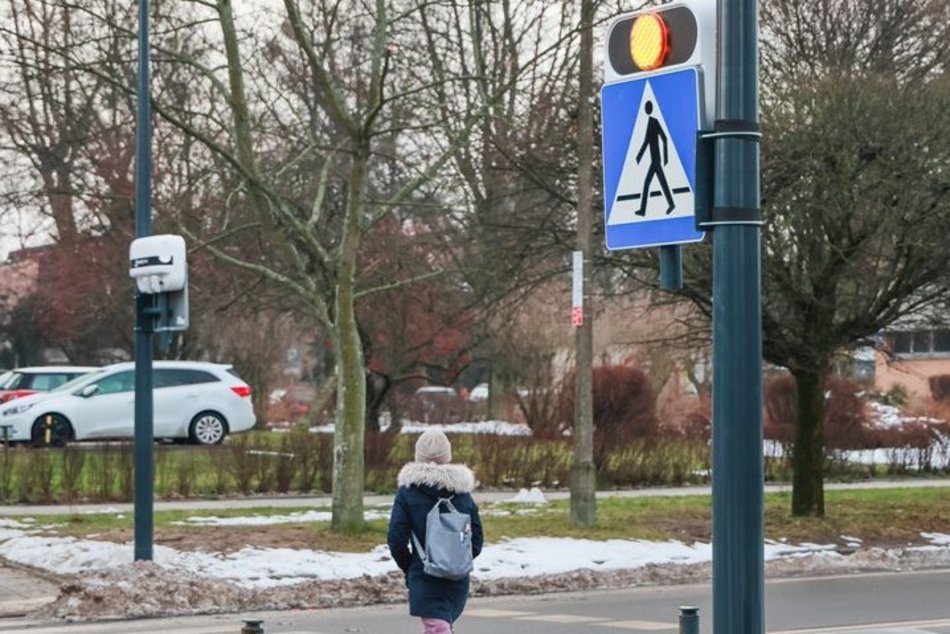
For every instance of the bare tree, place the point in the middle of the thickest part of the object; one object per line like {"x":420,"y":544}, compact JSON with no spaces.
{"x":856,"y":134}
{"x":46,"y":111}
{"x":312,"y":149}
{"x":855,"y":195}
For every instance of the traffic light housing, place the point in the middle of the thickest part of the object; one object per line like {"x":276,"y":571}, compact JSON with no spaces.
{"x":664,"y":38}
{"x":651,"y":40}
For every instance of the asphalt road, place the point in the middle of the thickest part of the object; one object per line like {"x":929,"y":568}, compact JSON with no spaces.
{"x":893,"y":603}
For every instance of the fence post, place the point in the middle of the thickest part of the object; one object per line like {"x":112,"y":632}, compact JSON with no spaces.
{"x":689,"y":619}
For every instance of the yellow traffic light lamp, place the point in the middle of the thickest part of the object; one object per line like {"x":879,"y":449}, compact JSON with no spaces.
{"x":649,"y":41}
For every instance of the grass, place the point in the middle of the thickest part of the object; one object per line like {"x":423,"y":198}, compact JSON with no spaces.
{"x":299,"y":462}
{"x":885,"y":517}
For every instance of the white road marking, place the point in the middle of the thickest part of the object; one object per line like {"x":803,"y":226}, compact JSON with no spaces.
{"x":873,"y":627}
{"x":643,"y":626}
{"x":488,"y":613}
{"x":126,"y":627}
{"x":561,"y":618}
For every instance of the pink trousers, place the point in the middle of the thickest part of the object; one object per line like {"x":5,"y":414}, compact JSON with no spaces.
{"x":436,"y":626}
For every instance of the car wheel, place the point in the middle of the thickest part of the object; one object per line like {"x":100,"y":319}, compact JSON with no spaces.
{"x":52,"y":430}
{"x":207,"y":428}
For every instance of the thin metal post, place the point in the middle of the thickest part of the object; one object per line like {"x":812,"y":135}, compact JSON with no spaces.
{"x":689,"y":619}
{"x":144,"y":409}
{"x":738,"y":562}
{"x":252,"y":627}
{"x":671,"y":267}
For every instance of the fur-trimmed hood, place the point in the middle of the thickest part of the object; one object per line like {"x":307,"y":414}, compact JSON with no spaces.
{"x":456,"y":478}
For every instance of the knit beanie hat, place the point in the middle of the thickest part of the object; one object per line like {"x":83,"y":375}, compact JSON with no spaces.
{"x":433,"y":446}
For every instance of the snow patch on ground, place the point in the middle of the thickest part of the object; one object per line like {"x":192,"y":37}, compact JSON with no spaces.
{"x":488,"y":427}
{"x":534,"y":496}
{"x":267,"y":520}
{"x":937,"y":539}
{"x":103,"y":582}
{"x":890,"y":417}
{"x":141,"y":589}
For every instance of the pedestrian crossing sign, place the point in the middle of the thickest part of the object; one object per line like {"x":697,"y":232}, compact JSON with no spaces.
{"x":649,"y":151}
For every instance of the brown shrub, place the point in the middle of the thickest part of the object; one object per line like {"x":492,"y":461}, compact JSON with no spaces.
{"x":940,"y":387}
{"x":781,"y":408}
{"x":540,"y":409}
{"x":689,"y":418}
{"x":908,"y":448}
{"x":377,"y":448}
{"x":844,"y":420}
{"x":624,"y":407}
{"x":845,"y":416}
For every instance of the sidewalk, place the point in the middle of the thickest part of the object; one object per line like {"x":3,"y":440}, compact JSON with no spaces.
{"x":299,"y":501}
{"x":22,"y":591}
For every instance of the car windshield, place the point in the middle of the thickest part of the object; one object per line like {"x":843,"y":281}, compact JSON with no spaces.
{"x":6,"y":376}
{"x":68,"y":385}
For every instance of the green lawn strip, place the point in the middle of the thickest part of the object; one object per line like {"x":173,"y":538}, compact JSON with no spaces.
{"x":885,"y":517}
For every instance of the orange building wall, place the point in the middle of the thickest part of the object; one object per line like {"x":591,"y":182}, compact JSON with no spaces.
{"x":913,"y":374}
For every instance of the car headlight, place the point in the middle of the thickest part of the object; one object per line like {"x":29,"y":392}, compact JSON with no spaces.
{"x":17,"y":409}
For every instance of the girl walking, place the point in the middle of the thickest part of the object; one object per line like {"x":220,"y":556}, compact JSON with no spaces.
{"x":438,"y":602}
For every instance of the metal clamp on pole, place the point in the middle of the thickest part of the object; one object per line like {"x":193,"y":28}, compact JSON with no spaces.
{"x":736,"y":129}
{"x":723,"y":128}
{"x":735,"y":216}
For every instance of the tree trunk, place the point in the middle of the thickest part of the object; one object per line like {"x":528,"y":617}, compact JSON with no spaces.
{"x":808,"y":462}
{"x":350,"y":368}
{"x":377,"y":387}
{"x":58,"y":184}
{"x":583,"y":475}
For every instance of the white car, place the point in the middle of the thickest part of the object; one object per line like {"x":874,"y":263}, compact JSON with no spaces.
{"x":479,"y":392}
{"x":200,"y":402}
{"x":25,"y":381}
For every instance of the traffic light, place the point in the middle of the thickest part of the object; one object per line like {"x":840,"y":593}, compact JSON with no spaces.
{"x":657,"y":102}
{"x":663,"y":38}
{"x":643,"y":42}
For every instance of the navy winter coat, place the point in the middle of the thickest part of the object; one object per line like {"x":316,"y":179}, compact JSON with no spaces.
{"x":420,"y":486}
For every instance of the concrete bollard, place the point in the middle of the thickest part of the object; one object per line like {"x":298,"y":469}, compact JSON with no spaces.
{"x":689,"y":619}
{"x":252,"y":627}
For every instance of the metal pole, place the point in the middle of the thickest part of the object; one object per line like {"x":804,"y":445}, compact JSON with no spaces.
{"x":738,"y":566}
{"x":689,"y":619}
{"x":252,"y":626}
{"x":144,"y":410}
{"x":671,"y":267}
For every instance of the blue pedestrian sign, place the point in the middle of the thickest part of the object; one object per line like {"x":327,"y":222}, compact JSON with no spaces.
{"x":649,"y":151}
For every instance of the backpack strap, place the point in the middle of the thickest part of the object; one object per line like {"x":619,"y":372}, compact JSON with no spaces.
{"x":416,"y":546}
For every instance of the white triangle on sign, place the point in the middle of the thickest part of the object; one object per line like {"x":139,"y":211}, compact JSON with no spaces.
{"x":627,"y":202}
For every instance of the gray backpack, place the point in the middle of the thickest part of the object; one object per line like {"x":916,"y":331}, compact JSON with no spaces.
{"x":448,"y":551}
